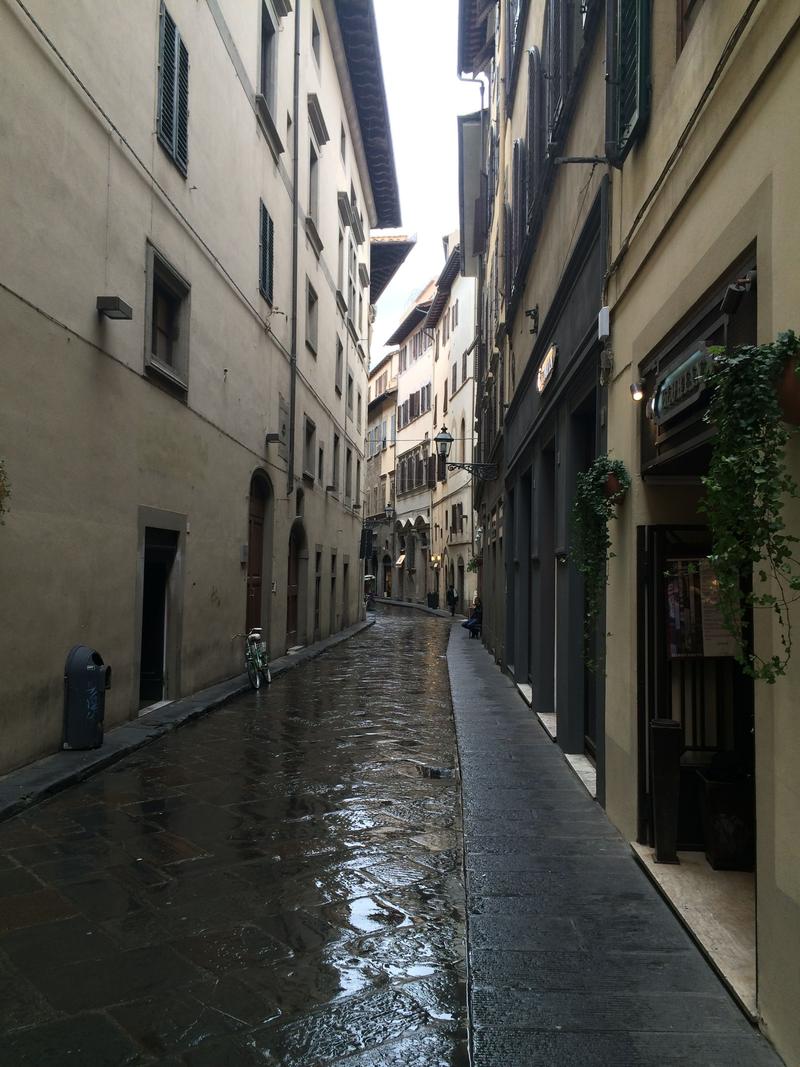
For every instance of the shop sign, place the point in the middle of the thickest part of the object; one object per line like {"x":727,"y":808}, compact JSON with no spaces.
{"x":682,"y":386}
{"x":546,"y":368}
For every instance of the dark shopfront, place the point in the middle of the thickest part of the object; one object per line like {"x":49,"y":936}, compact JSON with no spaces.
{"x":553,"y":431}
{"x":687,"y":671}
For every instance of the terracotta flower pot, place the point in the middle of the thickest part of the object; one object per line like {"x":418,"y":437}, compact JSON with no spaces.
{"x":789,"y":393}
{"x":612,"y":486}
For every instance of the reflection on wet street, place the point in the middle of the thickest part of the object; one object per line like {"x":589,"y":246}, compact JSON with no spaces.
{"x":278,"y":883}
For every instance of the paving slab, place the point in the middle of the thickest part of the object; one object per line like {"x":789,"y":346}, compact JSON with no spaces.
{"x":573,"y":956}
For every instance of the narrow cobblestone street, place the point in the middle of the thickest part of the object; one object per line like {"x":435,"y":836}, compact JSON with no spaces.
{"x":279,"y":882}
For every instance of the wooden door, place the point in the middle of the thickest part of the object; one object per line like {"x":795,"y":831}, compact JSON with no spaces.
{"x":255,"y":555}
{"x":292,"y":584}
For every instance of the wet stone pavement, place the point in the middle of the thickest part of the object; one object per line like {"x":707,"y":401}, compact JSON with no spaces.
{"x":279,"y":882}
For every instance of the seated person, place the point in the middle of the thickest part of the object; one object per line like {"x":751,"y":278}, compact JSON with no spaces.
{"x":473,"y":623}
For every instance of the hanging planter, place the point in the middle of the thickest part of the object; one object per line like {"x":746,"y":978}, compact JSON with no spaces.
{"x":755,"y":391}
{"x":599,"y":489}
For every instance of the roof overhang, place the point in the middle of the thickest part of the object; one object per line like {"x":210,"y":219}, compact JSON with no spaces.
{"x":409,"y":323}
{"x":444,"y":283}
{"x":470,"y":178}
{"x":476,"y":25}
{"x":388,"y":252}
{"x":354,"y":40}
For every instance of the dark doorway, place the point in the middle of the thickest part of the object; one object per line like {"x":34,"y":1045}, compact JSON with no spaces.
{"x":292,"y":586}
{"x":255,"y":552}
{"x":332,"y":606}
{"x":345,"y":595}
{"x":690,"y":675}
{"x":317,"y":592}
{"x":160,"y":548}
{"x":387,"y":576}
{"x":584,"y":422}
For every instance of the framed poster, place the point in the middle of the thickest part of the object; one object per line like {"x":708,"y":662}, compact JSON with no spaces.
{"x":695,"y":627}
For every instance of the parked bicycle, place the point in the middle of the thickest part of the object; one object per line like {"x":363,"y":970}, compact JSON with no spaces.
{"x":256,"y":659}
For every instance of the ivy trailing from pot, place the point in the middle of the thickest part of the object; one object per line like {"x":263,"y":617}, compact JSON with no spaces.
{"x":472,"y":564}
{"x":598,"y":491}
{"x":5,"y":491}
{"x":753,"y":389}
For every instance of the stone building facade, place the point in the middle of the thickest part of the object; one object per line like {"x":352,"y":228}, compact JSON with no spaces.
{"x":193,"y":467}
{"x":626,"y":203}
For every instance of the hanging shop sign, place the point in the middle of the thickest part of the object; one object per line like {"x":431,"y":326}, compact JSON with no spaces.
{"x":546,"y":368}
{"x":681,"y":387}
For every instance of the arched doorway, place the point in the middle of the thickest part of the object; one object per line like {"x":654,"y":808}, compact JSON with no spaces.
{"x":259,"y":549}
{"x":460,"y":585}
{"x":297,"y":574}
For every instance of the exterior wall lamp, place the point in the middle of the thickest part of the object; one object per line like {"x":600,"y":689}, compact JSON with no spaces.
{"x":444,"y":442}
{"x":114,"y":307}
{"x":637,"y":391}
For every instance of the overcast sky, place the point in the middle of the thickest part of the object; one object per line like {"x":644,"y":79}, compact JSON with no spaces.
{"x":418,"y":50}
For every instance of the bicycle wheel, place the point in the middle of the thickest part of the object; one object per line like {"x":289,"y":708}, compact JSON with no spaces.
{"x":267,"y":674}
{"x":253,"y":672}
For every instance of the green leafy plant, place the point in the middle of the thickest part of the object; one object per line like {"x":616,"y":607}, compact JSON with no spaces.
{"x":472,"y":564}
{"x":747,"y":486}
{"x":5,"y":491}
{"x":598,"y":491}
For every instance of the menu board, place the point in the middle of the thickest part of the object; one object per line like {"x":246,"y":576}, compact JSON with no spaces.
{"x":695,"y":626}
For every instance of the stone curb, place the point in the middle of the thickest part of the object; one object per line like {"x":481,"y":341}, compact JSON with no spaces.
{"x":419,"y":607}
{"x":35,"y":782}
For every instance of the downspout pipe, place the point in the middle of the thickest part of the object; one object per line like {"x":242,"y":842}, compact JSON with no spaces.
{"x":295,"y":242}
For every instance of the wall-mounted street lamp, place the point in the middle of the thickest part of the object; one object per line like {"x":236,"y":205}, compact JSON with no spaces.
{"x":637,"y":391}
{"x":444,"y":442}
{"x":114,"y":307}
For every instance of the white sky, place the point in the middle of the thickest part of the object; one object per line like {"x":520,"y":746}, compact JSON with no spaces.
{"x":418,"y":51}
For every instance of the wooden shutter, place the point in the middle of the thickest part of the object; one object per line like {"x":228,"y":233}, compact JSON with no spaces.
{"x":535,"y":138}
{"x":182,"y":108}
{"x":266,"y":245}
{"x":628,"y":84}
{"x":167,"y":63}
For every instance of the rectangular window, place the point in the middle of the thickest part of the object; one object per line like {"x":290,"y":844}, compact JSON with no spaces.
{"x":340,"y":264}
{"x":358,"y":410}
{"x":265,"y":253}
{"x":687,"y":13}
{"x":339,"y":366}
{"x":393,"y":430}
{"x":313,"y":183}
{"x":628,"y":86}
{"x":463,"y":367}
{"x":312,"y":308}
{"x":167,"y":321}
{"x":352,"y":272}
{"x":444,"y":400}
{"x":348,"y":474}
{"x":343,"y":144}
{"x":268,"y":66}
{"x":335,"y":471}
{"x":350,"y":393}
{"x":358,"y":479}
{"x":383,"y":435}
{"x":173,"y":92}
{"x":321,"y":465}
{"x":315,"y":39}
{"x":454,"y":378}
{"x":309,"y":448}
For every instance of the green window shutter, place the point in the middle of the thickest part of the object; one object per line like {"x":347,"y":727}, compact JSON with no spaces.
{"x":265,"y":254}
{"x":167,"y":56}
{"x":628,"y":75}
{"x":173,"y":91}
{"x":182,"y":108}
{"x":535,"y":131}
